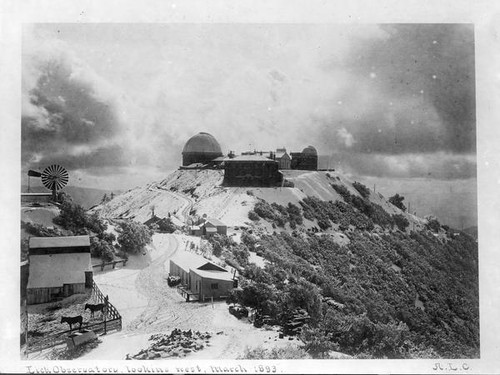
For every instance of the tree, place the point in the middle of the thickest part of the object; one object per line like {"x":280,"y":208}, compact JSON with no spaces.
{"x":397,"y":200}
{"x":72,"y":217}
{"x":362,"y":189}
{"x":133,"y":237}
{"x":101,"y":248}
{"x":432,"y":223}
{"x":401,"y":222}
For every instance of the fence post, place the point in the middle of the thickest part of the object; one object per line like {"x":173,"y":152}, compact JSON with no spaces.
{"x":106,"y":313}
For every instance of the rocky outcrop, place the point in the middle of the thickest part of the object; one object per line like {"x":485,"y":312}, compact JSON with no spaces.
{"x":177,"y":344}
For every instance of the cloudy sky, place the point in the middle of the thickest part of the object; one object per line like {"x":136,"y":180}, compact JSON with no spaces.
{"x":115,"y":103}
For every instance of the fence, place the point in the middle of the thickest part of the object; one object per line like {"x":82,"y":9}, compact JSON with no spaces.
{"x":113,"y":263}
{"x":112,"y":322}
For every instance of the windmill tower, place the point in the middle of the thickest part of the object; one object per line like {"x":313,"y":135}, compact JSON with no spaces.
{"x":54,"y":178}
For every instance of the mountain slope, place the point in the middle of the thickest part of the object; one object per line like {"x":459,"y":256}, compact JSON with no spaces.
{"x":374,"y":281}
{"x":200,"y":191}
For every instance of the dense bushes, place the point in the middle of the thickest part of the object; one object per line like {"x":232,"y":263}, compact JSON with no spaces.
{"x":277,"y":214}
{"x":133,"y":236}
{"x":101,"y":249}
{"x":362,"y":189}
{"x":378,"y":317}
{"x":397,"y":200}
{"x":74,"y":219}
{"x":400,"y":221}
{"x":432,"y":223}
{"x":337,"y":212}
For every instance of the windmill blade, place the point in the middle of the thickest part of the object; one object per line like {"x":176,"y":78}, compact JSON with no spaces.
{"x":55,"y":177}
{"x":33,"y":173}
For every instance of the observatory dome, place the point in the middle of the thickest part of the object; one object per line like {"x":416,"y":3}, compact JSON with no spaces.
{"x":200,"y":148}
{"x":310,"y":150}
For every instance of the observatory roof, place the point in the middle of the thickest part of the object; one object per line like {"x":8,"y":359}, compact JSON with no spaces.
{"x":202,"y":142}
{"x":249,"y":158}
{"x":310,"y":150}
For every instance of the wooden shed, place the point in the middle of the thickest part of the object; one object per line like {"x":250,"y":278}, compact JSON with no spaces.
{"x":58,"y":267}
{"x":284,"y":160}
{"x":212,"y":226}
{"x":201,"y":278}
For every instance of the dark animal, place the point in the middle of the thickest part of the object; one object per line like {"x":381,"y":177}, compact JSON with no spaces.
{"x":94,"y":308}
{"x":72,"y":320}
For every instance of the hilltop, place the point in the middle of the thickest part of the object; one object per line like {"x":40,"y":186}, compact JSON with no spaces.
{"x":374,"y":280}
{"x":200,"y":192}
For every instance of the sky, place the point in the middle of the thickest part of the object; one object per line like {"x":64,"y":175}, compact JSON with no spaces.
{"x":115,"y":103}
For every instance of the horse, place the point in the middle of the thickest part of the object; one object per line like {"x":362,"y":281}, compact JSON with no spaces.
{"x":93,"y":308}
{"x":72,"y":320}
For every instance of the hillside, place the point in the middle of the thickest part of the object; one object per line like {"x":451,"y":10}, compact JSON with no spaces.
{"x":200,"y":191}
{"x":373,"y":280}
{"x":85,"y":197}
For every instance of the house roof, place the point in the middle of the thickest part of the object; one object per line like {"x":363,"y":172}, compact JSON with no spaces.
{"x":54,"y":270}
{"x":216,"y":275}
{"x":192,"y":262}
{"x":249,"y":158}
{"x":187,"y":260}
{"x":280,"y":154}
{"x":52,"y":242}
{"x":215,"y":222}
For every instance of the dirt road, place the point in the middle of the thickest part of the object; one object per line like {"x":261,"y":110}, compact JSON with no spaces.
{"x":148,"y":306}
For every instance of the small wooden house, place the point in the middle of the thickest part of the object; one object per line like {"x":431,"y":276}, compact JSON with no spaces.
{"x":195,"y":230}
{"x":58,"y":267}
{"x":283,"y":158}
{"x":200,"y":277}
{"x":212,"y":226}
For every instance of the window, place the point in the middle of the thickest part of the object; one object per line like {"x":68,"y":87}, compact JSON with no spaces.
{"x":214,"y":286}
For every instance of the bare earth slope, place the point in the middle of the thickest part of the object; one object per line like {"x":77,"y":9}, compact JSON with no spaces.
{"x":201,"y":192}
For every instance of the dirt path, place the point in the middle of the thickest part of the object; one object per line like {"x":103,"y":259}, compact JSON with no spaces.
{"x":149,"y":306}
{"x":183,"y":212}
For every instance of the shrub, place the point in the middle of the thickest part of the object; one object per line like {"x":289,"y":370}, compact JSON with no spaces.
{"x":287,"y":352}
{"x":133,"y":236}
{"x":432,"y":223}
{"x":343,"y":191}
{"x":401,"y":222}
{"x":166,"y":226}
{"x":397,"y":200}
{"x":73,"y":217}
{"x":101,"y":249}
{"x":362,"y":189}
{"x":252,"y":215}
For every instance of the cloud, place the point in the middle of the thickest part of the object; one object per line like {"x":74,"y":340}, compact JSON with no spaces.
{"x":439,"y":165}
{"x":346,"y":137}
{"x":380,"y":98}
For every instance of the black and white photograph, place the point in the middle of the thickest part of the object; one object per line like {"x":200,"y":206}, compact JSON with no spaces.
{"x":207,"y":195}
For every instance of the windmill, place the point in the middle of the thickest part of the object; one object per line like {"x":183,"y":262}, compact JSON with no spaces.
{"x":54,"y":178}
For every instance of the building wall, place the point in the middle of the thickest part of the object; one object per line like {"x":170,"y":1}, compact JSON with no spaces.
{"x":44,"y":295}
{"x":285,"y":162}
{"x":252,"y":173}
{"x":198,"y":157}
{"x":221,"y":229}
{"x":176,"y":270}
{"x":203,"y":286}
{"x":302,"y":161}
{"x":36,"y":197}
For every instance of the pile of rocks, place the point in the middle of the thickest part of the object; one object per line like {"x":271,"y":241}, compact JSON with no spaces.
{"x":178,"y":344}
